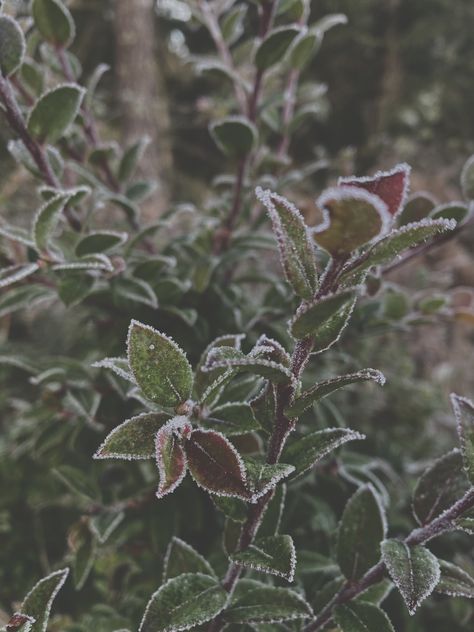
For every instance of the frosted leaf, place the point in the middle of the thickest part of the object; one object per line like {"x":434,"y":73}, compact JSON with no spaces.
{"x":262,"y":477}
{"x":254,"y":602}
{"x":83,"y":545}
{"x":38,"y":602}
{"x":264,"y":407}
{"x":294,"y":242}
{"x":464,"y":413}
{"x":104,"y":524}
{"x":170,"y":455}
{"x":390,"y":186}
{"x":234,"y":135}
{"x":216,"y":465}
{"x":274,"y":350}
{"x":18,"y":623}
{"x":439,"y":487}
{"x":134,"y":438}
{"x":54,"y":22}
{"x":203,"y":379}
{"x":361,"y":616}
{"x":93,"y":262}
{"x":17,"y":234}
{"x":352,"y":218}
{"x":275,"y":555}
{"x":395,"y":243}
{"x":12,"y":274}
{"x":311,"y":317}
{"x":12,"y":45}
{"x":136,"y":290}
{"x":77,"y":481}
{"x":454,"y":581}
{"x":363,"y":526}
{"x":307,"y":451}
{"x":232,"y":418}
{"x":184,"y":602}
{"x":415,"y":571}
{"x":331,"y":331}
{"x":118,"y":365}
{"x":47,"y":218}
{"x":182,"y":558}
{"x":271,"y":521}
{"x":418,"y":206}
{"x":54,"y":112}
{"x":323,"y":389}
{"x":100,"y":241}
{"x":159,"y":366}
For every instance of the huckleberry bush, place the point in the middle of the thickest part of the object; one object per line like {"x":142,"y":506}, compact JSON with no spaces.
{"x":226,"y":365}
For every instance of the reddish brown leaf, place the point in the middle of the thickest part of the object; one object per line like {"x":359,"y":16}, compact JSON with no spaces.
{"x":170,"y":456}
{"x":215,"y":464}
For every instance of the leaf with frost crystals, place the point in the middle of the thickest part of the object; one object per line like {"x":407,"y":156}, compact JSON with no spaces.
{"x":19,"y":623}
{"x":322,"y":389}
{"x":184,"y":602}
{"x":100,"y":241}
{"x":414,"y":570}
{"x":104,"y":523}
{"x":363,"y":526}
{"x":454,"y":581}
{"x":234,"y":135}
{"x":230,"y":358}
{"x":54,"y":112}
{"x":170,"y":455}
{"x":464,"y":413}
{"x":232,"y":418}
{"x":12,"y":45}
{"x":54,"y":21}
{"x":307,"y":451}
{"x":216,"y":465}
{"x":439,"y":487}
{"x":417,"y":207}
{"x":254,"y":602}
{"x":182,"y":558}
{"x":12,"y":274}
{"x":296,"y":250}
{"x":275,"y":555}
{"x":134,"y":438}
{"x":204,"y":379}
{"x":47,"y":217}
{"x":159,"y":366}
{"x":261,"y":476}
{"x":362,"y":617}
{"x":273,"y":48}
{"x":118,"y":365}
{"x":390,"y":186}
{"x":352,"y":218}
{"x":37,"y":603}
{"x":311,"y":317}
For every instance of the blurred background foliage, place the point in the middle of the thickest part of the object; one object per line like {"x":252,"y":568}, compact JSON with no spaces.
{"x":396,"y":85}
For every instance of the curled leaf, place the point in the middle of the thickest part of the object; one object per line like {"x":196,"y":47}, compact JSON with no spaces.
{"x":170,"y":456}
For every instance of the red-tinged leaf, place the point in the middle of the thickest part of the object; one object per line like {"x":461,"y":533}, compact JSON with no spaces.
{"x":390,"y":186}
{"x":464,"y":413}
{"x":215,"y":464}
{"x":170,"y":456}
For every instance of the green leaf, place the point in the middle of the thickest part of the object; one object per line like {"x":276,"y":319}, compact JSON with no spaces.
{"x":296,"y":250}
{"x":47,"y":218}
{"x":262,"y":477}
{"x":15,"y":273}
{"x":456,"y":211}
{"x":134,"y":438}
{"x":439,"y":487}
{"x":32,"y":75}
{"x":362,"y":528}
{"x":464,"y":413}
{"x":104,"y":523}
{"x":54,"y":21}
{"x":236,"y":136}
{"x":230,"y":358}
{"x":352,"y":218}
{"x":307,"y":451}
{"x":233,"y":508}
{"x":183,"y":602}
{"x":181,"y":558}
{"x":362,"y":617}
{"x":100,"y":241}
{"x":83,"y":545}
{"x":216,"y":465}
{"x":454,"y":581}
{"x":312,"y":317}
{"x":131,"y":158}
{"x":38,"y":601}
{"x":273,"y":48}
{"x":275,"y":555}
{"x":135,"y":290}
{"x":12,"y":45}
{"x":467,"y":179}
{"x":159,"y":366}
{"x":77,"y":481}
{"x":54,"y":112}
{"x":254,"y":602}
{"x":232,"y":418}
{"x":304,"y":47}
{"x":323,"y":389}
{"x":23,"y":296}
{"x":396,"y":242}
{"x":414,"y":570}
{"x":74,"y":287}
{"x":418,"y":207}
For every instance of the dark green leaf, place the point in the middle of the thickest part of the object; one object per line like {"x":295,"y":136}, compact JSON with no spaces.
{"x":262,"y":477}
{"x":104,"y":523}
{"x":54,"y":21}
{"x":15,"y":273}
{"x":232,"y":418}
{"x":362,"y":528}
{"x":181,"y":558}
{"x":54,"y":112}
{"x":304,"y":47}
{"x":312,"y":317}
{"x":131,"y":158}
{"x":464,"y":413}
{"x":274,"y":46}
{"x":454,"y":581}
{"x":77,"y":481}
{"x":230,"y":358}
{"x":83,"y":545}
{"x":275,"y":555}
{"x":254,"y":602}
{"x":362,"y":617}
{"x":100,"y":241}
{"x":170,"y":456}
{"x":22,"y":297}
{"x":38,"y":601}
{"x":456,"y":211}
{"x":12,"y":45}
{"x":74,"y":287}
{"x":414,"y":571}
{"x":159,"y":366}
{"x":134,"y":438}
{"x":184,"y":602}
{"x":234,"y":135}
{"x":307,"y":451}
{"x":418,"y":207}
{"x":47,"y":218}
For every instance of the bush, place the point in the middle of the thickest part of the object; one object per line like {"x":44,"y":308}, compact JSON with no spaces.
{"x":226,"y":367}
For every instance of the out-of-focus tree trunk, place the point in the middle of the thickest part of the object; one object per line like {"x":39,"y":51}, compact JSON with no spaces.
{"x":141,"y":95}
